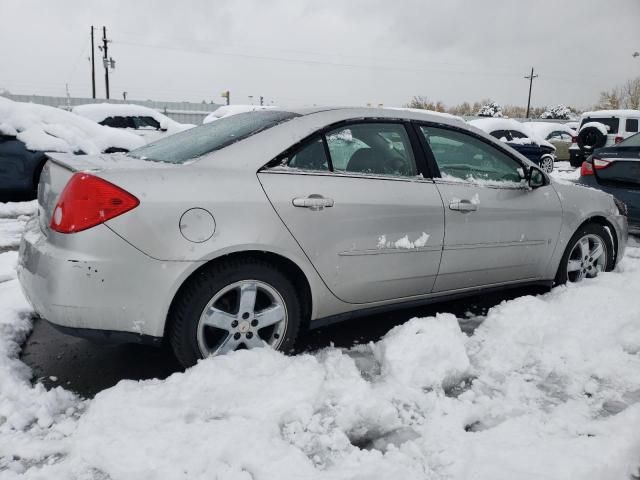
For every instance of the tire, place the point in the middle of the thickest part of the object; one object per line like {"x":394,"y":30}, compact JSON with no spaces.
{"x":591,"y":138}
{"x":546,"y":163}
{"x":605,"y":262}
{"x":196,"y":306}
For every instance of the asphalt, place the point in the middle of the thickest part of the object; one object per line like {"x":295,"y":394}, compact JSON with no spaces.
{"x":87,"y":368}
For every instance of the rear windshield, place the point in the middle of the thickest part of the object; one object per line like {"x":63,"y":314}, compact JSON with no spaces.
{"x":633,"y":141}
{"x":198,"y":141}
{"x":612,"y":123}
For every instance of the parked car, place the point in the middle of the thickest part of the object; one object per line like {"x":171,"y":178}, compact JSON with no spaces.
{"x":514,"y":134}
{"x":143,"y":121}
{"x":28,"y":130}
{"x":616,"y":170}
{"x":557,"y":134}
{"x":271,"y":228}
{"x":602,"y":128}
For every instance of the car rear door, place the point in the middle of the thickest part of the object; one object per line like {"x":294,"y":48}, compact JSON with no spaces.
{"x":498,"y":230}
{"x":352,"y":198}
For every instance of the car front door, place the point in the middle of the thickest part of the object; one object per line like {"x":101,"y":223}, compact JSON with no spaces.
{"x":352,"y":198}
{"x":498,"y":229}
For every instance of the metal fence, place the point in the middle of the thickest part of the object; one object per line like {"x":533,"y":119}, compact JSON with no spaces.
{"x":183,"y":112}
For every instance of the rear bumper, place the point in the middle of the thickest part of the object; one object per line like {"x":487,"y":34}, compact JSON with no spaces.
{"x":94,"y":281}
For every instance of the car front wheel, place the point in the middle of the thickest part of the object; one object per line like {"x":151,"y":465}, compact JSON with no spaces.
{"x":547,"y":164}
{"x":238,"y":304}
{"x":589,"y":252}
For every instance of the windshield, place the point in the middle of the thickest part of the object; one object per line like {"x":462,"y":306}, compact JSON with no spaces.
{"x":612,"y":123}
{"x":198,"y":141}
{"x":633,"y":141}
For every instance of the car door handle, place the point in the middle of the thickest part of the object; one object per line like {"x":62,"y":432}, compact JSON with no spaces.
{"x":463,"y":206}
{"x":313,"y":202}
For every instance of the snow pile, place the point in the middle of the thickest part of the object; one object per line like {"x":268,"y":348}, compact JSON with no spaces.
{"x":559,"y":112}
{"x":546,"y":387}
{"x":227,"y":110}
{"x":98,"y":112}
{"x":15,"y":209}
{"x":51,"y":129}
{"x":490,"y":110}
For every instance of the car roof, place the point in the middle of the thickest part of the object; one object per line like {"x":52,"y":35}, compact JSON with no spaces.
{"x":612,"y":113}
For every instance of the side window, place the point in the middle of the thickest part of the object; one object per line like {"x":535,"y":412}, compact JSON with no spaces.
{"x":632,"y":125}
{"x":460,"y":156}
{"x":311,"y":156}
{"x":517,"y":134}
{"x":501,"y":135}
{"x":372,"y":148}
{"x":146,"y":122}
{"x":107,"y":122}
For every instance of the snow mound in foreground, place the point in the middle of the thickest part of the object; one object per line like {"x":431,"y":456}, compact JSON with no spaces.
{"x":546,"y":387}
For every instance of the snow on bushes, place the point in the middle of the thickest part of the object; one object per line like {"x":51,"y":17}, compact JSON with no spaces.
{"x":546,"y":387}
{"x":490,"y":110}
{"x":559,"y":112}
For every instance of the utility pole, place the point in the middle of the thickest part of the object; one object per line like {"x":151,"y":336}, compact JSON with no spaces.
{"x":530,"y":78}
{"x":105,"y":60}
{"x":261,"y":100}
{"x":227,"y":96}
{"x":93,"y":67}
{"x":124,"y":96}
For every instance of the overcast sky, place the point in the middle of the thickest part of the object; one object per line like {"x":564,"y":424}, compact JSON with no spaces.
{"x":304,"y":52}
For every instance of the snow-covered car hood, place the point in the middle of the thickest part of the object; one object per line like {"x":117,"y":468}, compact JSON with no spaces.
{"x":45,"y":128}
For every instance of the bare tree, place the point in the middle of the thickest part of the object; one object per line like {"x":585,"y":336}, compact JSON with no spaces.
{"x":424,"y":103}
{"x":631,"y":94}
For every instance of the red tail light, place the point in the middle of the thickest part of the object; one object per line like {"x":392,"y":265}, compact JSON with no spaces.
{"x":87,"y":201}
{"x":596,"y":163}
{"x":618,"y":139}
{"x":586,"y":169}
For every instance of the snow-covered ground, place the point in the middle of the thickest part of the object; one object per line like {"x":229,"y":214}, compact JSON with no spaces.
{"x":546,"y":387}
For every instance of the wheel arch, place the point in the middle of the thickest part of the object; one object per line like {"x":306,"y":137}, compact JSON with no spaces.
{"x":289,"y":267}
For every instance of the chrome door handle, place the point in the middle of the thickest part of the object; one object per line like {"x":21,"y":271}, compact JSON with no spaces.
{"x":313,"y":202}
{"x":463,"y":206}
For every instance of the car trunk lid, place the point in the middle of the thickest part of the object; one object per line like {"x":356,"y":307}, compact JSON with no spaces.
{"x":61,"y":166}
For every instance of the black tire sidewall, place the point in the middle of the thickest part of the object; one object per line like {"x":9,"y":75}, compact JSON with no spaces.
{"x":205,"y":284}
{"x":588,"y":229}
{"x":600,"y":139}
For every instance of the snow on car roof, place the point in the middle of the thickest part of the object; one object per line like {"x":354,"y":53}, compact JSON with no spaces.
{"x":100,"y":111}
{"x":492,"y":124}
{"x":227,"y":110}
{"x":47,"y":128}
{"x":427,"y":112}
{"x":541,"y":130}
{"x":612,"y":113}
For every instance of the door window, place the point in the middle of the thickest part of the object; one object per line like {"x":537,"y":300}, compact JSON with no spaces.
{"x":632,"y":125}
{"x":460,"y":156}
{"x":310,"y":156}
{"x":372,"y":148}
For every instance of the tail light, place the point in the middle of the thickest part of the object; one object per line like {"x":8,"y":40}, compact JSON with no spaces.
{"x":588,"y":166}
{"x":618,"y":139}
{"x":87,"y":201}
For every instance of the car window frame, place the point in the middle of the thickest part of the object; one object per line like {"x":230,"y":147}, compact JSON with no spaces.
{"x":423,"y":169}
{"x":498,"y":145}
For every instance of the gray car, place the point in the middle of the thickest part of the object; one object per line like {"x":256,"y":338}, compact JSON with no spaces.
{"x":245,"y":231}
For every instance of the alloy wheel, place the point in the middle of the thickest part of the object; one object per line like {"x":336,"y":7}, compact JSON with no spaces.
{"x":246,"y":314}
{"x":587,"y":258}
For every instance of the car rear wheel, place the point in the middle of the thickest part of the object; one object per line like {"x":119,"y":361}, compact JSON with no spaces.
{"x":589,"y":252}
{"x":238,"y":304}
{"x":546,"y":163}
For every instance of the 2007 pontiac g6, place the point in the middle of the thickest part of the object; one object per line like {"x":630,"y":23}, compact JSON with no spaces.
{"x":244,"y":231}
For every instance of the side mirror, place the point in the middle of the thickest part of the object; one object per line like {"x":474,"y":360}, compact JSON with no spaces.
{"x":536,"y":178}
{"x":164,"y":126}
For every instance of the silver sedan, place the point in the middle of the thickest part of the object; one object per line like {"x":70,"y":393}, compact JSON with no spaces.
{"x":245,"y":231}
